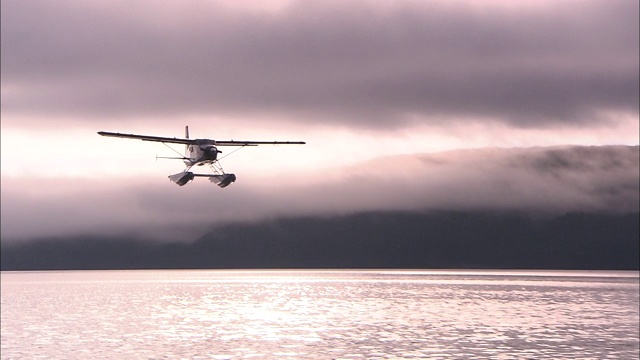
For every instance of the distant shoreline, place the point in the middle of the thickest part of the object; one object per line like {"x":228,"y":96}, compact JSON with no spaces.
{"x":376,"y":240}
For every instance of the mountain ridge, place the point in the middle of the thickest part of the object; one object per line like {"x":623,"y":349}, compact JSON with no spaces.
{"x":442,"y":239}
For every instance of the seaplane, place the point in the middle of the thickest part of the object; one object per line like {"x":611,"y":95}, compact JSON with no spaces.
{"x":199,"y":152}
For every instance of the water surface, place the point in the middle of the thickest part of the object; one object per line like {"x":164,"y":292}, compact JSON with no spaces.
{"x":214,"y":314}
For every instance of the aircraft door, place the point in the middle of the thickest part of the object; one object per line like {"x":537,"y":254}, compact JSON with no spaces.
{"x":192,"y":152}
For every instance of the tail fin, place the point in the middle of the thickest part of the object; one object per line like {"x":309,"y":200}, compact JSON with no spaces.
{"x":186,"y":136}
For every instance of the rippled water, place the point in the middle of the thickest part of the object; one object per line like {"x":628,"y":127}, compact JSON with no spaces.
{"x":319,"y":315}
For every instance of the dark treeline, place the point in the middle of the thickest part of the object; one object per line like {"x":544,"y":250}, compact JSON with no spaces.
{"x":371,"y":240}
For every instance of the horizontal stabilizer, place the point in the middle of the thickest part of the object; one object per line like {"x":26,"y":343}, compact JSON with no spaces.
{"x":172,"y":157}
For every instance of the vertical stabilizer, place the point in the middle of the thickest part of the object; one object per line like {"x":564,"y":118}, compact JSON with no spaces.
{"x":186,"y":136}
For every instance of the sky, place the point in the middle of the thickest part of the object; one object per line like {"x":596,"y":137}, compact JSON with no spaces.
{"x":403,"y":105}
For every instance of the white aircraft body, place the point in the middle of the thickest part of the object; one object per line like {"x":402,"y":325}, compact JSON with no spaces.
{"x":200,"y":152}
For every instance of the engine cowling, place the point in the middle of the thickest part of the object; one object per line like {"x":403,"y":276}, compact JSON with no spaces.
{"x":213,"y":152}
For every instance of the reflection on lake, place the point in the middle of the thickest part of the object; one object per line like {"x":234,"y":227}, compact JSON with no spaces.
{"x":213,"y":314}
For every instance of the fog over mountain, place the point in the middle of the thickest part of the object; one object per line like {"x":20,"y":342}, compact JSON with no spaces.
{"x":566,"y":207}
{"x":533,"y":180}
{"x":432,"y":240}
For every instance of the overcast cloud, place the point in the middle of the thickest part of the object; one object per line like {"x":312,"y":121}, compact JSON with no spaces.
{"x":355,"y":63}
{"x":372,"y":87}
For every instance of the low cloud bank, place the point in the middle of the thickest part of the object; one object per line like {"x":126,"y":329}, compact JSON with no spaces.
{"x":532,"y":180}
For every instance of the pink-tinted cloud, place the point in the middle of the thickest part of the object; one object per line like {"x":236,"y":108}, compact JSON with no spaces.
{"x":357,"y":63}
{"x":537,"y":180}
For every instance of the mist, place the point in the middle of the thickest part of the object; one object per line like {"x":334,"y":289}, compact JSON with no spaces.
{"x":531,"y":180}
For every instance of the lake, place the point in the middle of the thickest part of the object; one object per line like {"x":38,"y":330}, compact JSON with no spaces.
{"x":322,"y":314}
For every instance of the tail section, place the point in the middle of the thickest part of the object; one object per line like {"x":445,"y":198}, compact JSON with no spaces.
{"x":186,"y":136}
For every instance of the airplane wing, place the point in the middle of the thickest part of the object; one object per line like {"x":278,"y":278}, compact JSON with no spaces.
{"x":256,"y":143}
{"x":148,"y":138}
{"x":195,"y":141}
